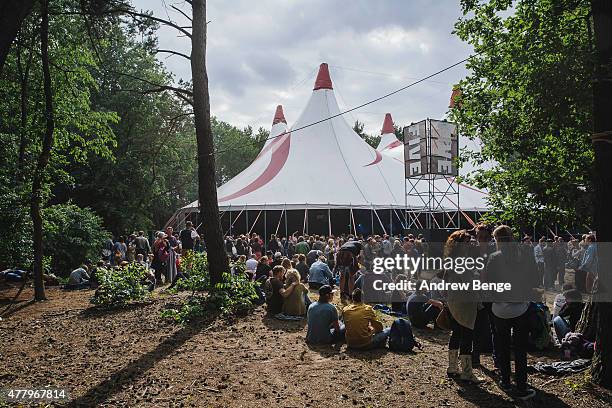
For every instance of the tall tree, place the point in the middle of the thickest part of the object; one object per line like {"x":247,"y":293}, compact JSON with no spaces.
{"x":207,"y":189}
{"x":43,"y":157}
{"x":527,"y":98}
{"x":601,"y":369}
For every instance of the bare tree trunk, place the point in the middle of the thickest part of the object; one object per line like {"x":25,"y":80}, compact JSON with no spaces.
{"x":601,"y":369}
{"x":12,"y":13}
{"x":43,"y":158}
{"x":207,"y":189}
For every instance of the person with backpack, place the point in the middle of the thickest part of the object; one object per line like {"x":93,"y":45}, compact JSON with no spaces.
{"x":363,"y":329}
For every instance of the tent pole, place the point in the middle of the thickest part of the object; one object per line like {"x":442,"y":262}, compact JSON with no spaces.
{"x":265,"y":240}
{"x":279,"y":222}
{"x":255,"y":222}
{"x":247,"y":221}
{"x":372,"y":221}
{"x":329,"y":221}
{"x":380,"y":221}
{"x":230,"y":228}
{"x":286,"y":227}
{"x":304,"y":224}
{"x":390,"y":222}
{"x":354,"y":226}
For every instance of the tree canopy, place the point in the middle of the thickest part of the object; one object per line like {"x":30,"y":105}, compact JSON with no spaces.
{"x":527,"y":98}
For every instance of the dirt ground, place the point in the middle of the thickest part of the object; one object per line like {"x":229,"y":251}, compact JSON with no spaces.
{"x":132,"y":357}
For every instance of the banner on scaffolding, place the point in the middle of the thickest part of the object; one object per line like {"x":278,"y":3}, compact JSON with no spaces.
{"x":431,"y":147}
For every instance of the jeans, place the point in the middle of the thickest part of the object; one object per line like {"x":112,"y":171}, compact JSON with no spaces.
{"x":461,"y":338}
{"x":561,"y":327}
{"x":510,"y":332}
{"x":337,"y":336}
{"x":380,"y":339}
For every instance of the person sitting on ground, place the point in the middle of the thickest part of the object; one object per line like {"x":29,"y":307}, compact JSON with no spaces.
{"x":363,"y":329}
{"x":296,"y":304}
{"x":251,"y":265}
{"x":312,"y":257}
{"x":560,"y":300}
{"x":276,"y":292}
{"x":319,"y":274}
{"x":569,"y":315}
{"x":262,"y":273}
{"x":79,"y":278}
{"x":301,"y":267}
{"x":323,"y":324}
{"x":421,"y":309}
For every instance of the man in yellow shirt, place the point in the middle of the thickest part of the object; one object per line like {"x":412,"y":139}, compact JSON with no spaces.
{"x":363,"y":329}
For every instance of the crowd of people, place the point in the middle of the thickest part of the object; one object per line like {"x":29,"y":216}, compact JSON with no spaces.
{"x":285,"y":266}
{"x":288,"y":269}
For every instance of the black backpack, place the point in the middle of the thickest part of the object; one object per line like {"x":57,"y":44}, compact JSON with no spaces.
{"x":401,"y":337}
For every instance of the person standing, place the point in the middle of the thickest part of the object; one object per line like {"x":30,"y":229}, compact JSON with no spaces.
{"x":188,"y":237}
{"x":538,"y":252}
{"x":463,"y":308}
{"x":510,"y":310}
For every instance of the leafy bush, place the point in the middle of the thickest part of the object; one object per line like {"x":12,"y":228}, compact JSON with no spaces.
{"x":195,"y":266}
{"x":235,"y":295}
{"x":16,"y":245}
{"x":120,"y":286}
{"x":71,"y":235}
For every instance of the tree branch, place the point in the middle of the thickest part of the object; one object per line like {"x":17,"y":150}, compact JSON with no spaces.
{"x":180,"y":54}
{"x":182,"y":12}
{"x":159,"y":20}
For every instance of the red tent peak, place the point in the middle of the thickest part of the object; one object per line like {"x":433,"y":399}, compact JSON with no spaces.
{"x":279,"y":116}
{"x":323,"y":80}
{"x":387,"y":125}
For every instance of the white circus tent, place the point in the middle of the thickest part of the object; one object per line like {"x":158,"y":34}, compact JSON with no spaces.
{"x":320,"y":163}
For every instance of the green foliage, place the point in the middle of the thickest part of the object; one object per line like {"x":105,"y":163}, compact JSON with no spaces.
{"x":373,"y":141}
{"x":119,"y":286}
{"x":236,"y":148}
{"x":71,"y":235}
{"x":195,"y":266}
{"x":235,"y":295}
{"x":527,"y":98}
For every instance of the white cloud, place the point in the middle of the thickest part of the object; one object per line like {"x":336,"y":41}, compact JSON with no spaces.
{"x":262,"y":53}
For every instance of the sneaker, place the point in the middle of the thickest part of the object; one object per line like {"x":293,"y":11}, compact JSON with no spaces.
{"x":524,"y":393}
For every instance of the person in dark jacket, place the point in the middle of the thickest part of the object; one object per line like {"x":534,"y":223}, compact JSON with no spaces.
{"x":569,"y":315}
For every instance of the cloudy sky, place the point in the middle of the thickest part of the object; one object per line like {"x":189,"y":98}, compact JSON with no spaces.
{"x":267,"y":52}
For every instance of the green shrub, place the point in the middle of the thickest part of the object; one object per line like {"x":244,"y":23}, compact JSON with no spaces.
{"x":235,"y":295}
{"x":195,"y":266}
{"x":120,"y":286}
{"x":71,"y":235}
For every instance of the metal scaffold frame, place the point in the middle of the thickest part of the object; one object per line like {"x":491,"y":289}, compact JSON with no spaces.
{"x":432,"y":200}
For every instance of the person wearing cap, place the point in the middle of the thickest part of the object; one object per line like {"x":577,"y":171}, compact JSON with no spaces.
{"x":323,"y":324}
{"x":363,"y":329}
{"x":319,"y":274}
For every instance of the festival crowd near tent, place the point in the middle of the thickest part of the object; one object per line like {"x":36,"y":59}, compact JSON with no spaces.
{"x":425,"y":223}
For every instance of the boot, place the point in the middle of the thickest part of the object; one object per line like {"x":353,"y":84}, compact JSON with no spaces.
{"x":453,"y":363}
{"x":466,"y":369}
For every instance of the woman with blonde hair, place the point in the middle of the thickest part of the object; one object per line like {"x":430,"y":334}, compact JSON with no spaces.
{"x":296,"y":304}
{"x":463,"y":308}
